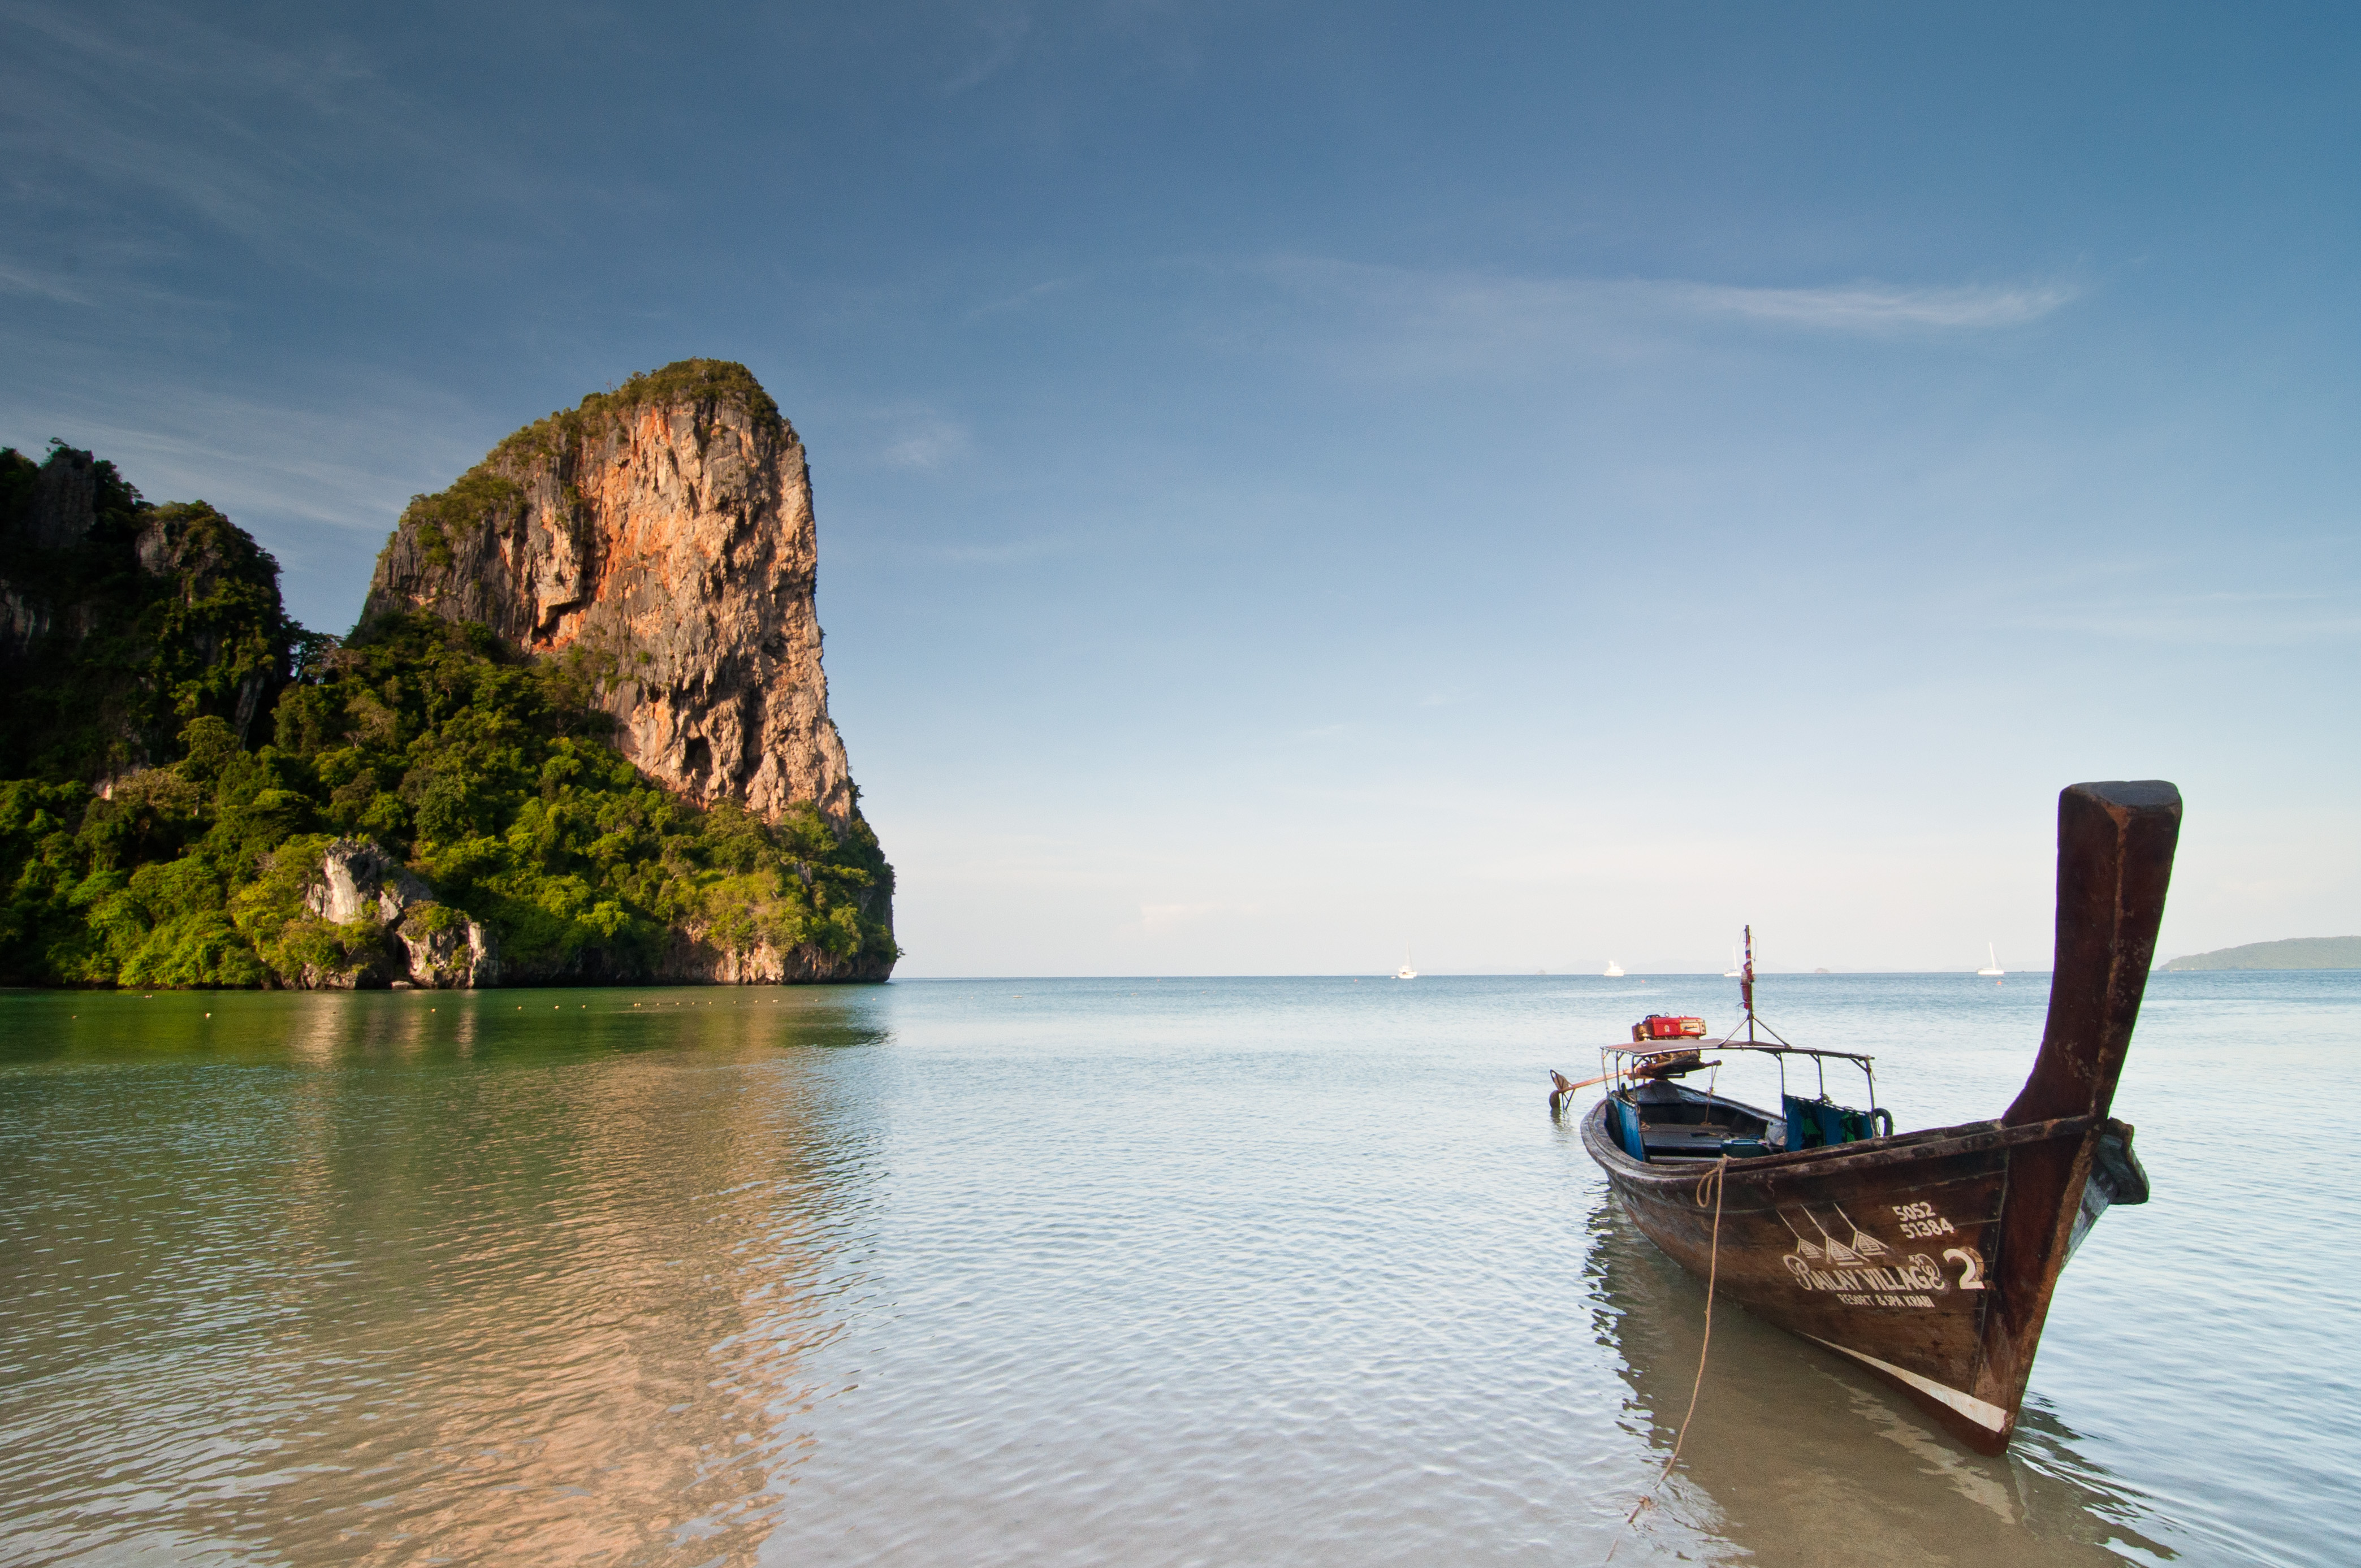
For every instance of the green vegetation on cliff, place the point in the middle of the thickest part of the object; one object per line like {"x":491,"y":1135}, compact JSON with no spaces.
{"x":489,"y":774}
{"x":721,"y":381}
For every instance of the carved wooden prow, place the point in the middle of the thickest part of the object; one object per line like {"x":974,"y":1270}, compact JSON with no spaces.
{"x":2114,"y":860}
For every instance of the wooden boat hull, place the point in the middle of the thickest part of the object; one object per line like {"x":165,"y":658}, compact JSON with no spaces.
{"x":1895,"y":1252}
{"x":1931,"y":1257}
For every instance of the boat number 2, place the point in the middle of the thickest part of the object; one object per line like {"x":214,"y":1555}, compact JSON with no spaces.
{"x":1972,"y":1267}
{"x":1920,"y":1220}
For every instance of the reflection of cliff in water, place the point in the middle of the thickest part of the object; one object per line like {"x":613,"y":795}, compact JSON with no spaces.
{"x":448,"y":1280}
{"x":1796,"y":1460}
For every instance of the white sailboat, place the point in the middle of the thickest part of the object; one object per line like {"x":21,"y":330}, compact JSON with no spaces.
{"x":1405,"y":973}
{"x":1614,"y":969}
{"x":1992,"y":969}
{"x":1732,"y":972}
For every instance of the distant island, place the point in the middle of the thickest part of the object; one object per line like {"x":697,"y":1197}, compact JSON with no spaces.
{"x":2296,"y":953}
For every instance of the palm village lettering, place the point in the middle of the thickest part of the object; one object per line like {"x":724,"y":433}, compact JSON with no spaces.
{"x":1863,"y":1271}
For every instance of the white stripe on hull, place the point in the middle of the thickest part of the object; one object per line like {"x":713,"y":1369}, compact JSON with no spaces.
{"x":1983,"y":1414}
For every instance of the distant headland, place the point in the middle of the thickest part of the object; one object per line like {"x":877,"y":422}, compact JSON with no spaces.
{"x":2295,"y":952}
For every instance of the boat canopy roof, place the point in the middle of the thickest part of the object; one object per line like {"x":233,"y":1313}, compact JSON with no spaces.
{"x":1652,"y":1051}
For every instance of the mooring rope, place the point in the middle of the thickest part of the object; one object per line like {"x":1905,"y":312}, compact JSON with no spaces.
{"x":1712,"y":1179}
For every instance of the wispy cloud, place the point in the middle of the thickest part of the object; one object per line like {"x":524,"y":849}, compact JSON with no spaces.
{"x":41,"y":284}
{"x":1871,"y":308}
{"x":928,"y":442}
{"x":153,"y":116}
{"x":1860,"y":307}
{"x":111,"y":285}
{"x":163,"y":104}
{"x":913,"y":434}
{"x":1418,"y":320}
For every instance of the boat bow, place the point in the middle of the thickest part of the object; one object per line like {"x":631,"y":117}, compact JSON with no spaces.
{"x":1931,"y":1257}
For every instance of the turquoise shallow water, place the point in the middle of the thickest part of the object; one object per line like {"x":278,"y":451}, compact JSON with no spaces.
{"x":1283,"y":1271}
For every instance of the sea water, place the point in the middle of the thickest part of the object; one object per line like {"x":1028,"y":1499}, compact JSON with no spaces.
{"x":1106,"y":1271}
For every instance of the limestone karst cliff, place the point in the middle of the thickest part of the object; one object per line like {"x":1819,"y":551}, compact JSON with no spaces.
{"x":580,"y":734}
{"x":665,"y":527}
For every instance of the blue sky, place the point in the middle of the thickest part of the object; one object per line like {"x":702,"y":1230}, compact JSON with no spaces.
{"x":1530,"y":484}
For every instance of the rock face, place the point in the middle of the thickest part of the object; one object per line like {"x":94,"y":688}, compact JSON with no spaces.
{"x":121,"y":620}
{"x":664,"y":530}
{"x":692,"y":958}
{"x":358,"y":881}
{"x":64,"y":500}
{"x":419,"y":941}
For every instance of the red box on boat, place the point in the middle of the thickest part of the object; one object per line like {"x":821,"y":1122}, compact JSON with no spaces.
{"x":1663,"y":1026}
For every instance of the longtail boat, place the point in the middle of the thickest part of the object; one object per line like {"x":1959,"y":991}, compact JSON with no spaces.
{"x":1928,"y":1257}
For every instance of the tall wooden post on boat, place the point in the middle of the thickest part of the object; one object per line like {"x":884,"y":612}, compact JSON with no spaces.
{"x":1746,"y":982}
{"x":2115,"y":844}
{"x":2114,"y":857}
